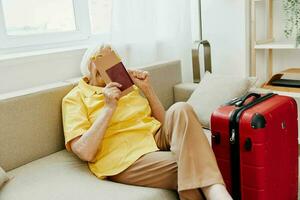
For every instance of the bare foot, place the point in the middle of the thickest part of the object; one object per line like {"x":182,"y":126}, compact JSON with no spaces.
{"x":216,"y":192}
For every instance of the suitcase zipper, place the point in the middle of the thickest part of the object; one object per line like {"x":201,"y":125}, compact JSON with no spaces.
{"x":232,"y":138}
{"x":234,"y":157}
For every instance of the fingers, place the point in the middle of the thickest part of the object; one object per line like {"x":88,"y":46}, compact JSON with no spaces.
{"x":130,"y":72}
{"x":145,"y":74}
{"x":115,"y":91}
{"x":140,"y":74}
{"x":112,"y":91}
{"x":114,"y":95}
{"x":113,"y":84}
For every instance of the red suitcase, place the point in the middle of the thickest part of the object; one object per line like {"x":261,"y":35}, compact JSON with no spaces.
{"x":256,"y":146}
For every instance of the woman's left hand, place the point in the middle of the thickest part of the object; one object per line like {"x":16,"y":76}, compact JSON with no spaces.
{"x":140,"y":78}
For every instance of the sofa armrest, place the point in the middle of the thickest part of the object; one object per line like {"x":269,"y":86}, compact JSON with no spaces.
{"x":183,"y":91}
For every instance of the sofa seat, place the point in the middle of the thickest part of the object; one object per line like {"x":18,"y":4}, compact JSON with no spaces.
{"x":62,"y":176}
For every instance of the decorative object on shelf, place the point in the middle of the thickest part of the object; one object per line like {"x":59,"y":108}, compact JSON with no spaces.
{"x":292,"y":13}
{"x":279,"y":82}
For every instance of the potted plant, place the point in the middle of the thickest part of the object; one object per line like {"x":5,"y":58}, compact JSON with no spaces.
{"x":292,"y":13}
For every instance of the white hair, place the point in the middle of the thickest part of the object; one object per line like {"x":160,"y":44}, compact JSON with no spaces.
{"x":91,"y":52}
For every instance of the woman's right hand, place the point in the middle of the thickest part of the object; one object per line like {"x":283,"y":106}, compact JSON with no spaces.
{"x":112,"y":94}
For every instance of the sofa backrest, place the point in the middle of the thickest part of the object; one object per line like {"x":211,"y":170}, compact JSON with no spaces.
{"x":164,"y":76}
{"x":30,"y":120}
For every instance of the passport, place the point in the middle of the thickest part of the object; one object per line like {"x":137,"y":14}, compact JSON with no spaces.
{"x":112,"y":69}
{"x":118,"y":73}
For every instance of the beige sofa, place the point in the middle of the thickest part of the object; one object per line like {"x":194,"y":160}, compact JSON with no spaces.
{"x":32,"y":145}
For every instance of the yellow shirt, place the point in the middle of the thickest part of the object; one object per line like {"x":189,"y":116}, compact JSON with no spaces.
{"x":128,"y":136}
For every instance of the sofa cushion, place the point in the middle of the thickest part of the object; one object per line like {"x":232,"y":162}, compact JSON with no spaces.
{"x":215,"y":90}
{"x":163,"y":77}
{"x":183,"y":91}
{"x":62,"y":176}
{"x":31,"y":126}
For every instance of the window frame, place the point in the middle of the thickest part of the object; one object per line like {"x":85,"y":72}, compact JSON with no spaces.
{"x":27,"y":42}
{"x":82,"y":36}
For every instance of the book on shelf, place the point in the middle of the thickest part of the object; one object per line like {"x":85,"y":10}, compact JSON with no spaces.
{"x":282,"y":82}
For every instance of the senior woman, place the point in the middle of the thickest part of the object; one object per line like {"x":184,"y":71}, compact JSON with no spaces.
{"x":133,"y":140}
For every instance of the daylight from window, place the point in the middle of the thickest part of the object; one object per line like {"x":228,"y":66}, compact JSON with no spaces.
{"x":38,"y":16}
{"x":100,"y":13}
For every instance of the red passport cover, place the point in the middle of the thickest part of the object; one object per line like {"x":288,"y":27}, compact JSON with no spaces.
{"x":119,"y":74}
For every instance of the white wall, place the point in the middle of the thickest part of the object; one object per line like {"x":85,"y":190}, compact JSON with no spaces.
{"x":225,"y":26}
{"x":31,"y":71}
{"x":195,"y":20}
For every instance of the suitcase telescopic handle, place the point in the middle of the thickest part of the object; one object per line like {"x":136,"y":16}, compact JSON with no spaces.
{"x":245,"y":98}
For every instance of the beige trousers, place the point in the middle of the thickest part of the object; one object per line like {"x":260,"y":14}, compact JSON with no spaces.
{"x":186,"y":161}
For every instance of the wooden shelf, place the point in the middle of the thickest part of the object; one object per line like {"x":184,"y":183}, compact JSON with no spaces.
{"x":290,"y":94}
{"x":277,"y":45}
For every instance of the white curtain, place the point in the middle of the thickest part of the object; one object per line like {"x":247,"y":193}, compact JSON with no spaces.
{"x":150,"y":31}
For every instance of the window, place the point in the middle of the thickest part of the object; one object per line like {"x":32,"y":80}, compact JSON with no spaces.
{"x":38,"y":16}
{"x":36,"y":24}
{"x":33,"y":24}
{"x":100,"y":13}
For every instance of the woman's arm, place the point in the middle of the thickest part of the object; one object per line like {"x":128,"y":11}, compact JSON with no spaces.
{"x":142,"y":80}
{"x":157,"y":108}
{"x":87,"y":145}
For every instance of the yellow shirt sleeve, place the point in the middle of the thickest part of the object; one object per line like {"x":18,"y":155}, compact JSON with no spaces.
{"x":75,"y":118}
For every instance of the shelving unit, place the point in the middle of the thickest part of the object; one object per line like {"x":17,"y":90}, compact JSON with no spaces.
{"x":269,"y":43}
{"x":276,"y":45}
{"x":265,"y":44}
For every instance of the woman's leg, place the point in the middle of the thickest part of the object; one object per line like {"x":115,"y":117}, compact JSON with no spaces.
{"x":156,"y":169}
{"x":183,"y":134}
{"x":189,"y":166}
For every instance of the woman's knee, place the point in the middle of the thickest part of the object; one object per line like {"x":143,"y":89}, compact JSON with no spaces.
{"x":181,"y":107}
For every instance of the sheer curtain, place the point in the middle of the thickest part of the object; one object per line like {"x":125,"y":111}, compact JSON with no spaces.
{"x":149,"y":31}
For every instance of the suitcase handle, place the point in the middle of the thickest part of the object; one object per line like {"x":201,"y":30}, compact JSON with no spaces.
{"x":245,"y":98}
